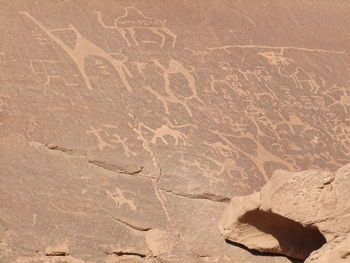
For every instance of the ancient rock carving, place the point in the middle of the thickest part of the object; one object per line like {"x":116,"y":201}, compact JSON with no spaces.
{"x":143,"y":174}
{"x":302,"y":80}
{"x":40,"y":37}
{"x":168,"y":130}
{"x":134,"y":20}
{"x":305,"y":215}
{"x":260,"y":157}
{"x":120,"y":199}
{"x":175,"y":67}
{"x":230,"y":80}
{"x":81,"y":50}
{"x":275,"y":59}
{"x":41,"y":69}
{"x":102,"y":144}
{"x":108,"y":137}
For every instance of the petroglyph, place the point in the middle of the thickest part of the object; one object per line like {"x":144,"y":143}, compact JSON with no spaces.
{"x":132,"y":20}
{"x":120,"y":199}
{"x":197,"y":52}
{"x":137,"y":128}
{"x":175,"y":67}
{"x":230,"y":80}
{"x":163,"y":131}
{"x":226,"y":66}
{"x":117,"y":139}
{"x":40,"y":68}
{"x":222,"y":149}
{"x":42,"y":40}
{"x":140,"y":67}
{"x":208,"y":167}
{"x":260,"y":73}
{"x":101,"y":143}
{"x":82,"y":49}
{"x":276,"y":59}
{"x":262,"y":155}
{"x":107,"y":136}
{"x":157,"y":123}
{"x":228,"y":162}
{"x":303,"y":80}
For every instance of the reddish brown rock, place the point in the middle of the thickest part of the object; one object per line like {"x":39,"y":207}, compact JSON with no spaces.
{"x":126,"y":126}
{"x":296,"y":214}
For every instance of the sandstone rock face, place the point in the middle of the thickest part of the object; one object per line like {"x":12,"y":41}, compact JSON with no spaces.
{"x":295,"y":214}
{"x":126,"y":126}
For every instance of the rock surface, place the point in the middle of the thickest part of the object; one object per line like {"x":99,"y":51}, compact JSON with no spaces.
{"x":127,"y":126}
{"x":295,"y":214}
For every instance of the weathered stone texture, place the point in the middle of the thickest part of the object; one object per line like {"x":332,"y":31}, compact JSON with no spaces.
{"x":127,"y":126}
{"x":296,"y":214}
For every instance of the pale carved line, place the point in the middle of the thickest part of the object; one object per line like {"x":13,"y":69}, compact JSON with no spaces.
{"x":83,"y":48}
{"x":278,"y":47}
{"x":155,"y":25}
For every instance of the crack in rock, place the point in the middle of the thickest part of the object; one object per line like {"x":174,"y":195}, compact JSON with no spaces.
{"x":54,"y":147}
{"x":202,"y":196}
{"x":83,"y":153}
{"x":56,"y":254}
{"x":74,"y":152}
{"x":138,"y":228}
{"x":115,"y":168}
{"x":121,"y":254}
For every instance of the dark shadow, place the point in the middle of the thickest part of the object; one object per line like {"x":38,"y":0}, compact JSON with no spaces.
{"x":295,"y":239}
{"x":263,"y":254}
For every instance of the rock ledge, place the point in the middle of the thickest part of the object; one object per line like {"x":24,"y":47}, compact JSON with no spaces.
{"x":304,"y":215}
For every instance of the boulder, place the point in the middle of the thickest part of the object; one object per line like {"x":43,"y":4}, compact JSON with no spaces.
{"x":303,"y":215}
